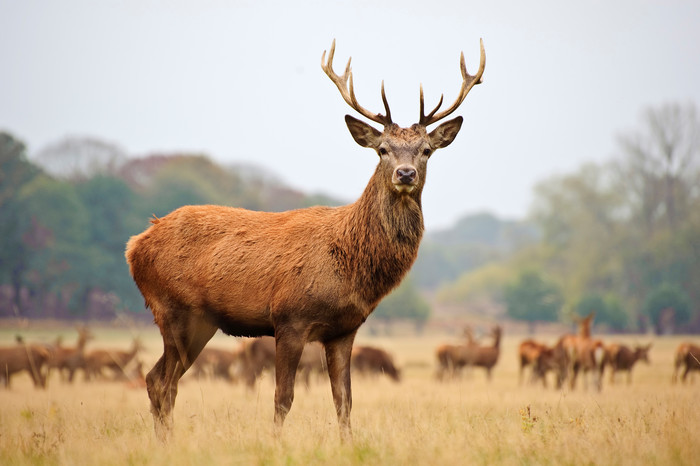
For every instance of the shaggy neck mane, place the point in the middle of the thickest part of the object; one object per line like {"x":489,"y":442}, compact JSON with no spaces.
{"x":382,"y":234}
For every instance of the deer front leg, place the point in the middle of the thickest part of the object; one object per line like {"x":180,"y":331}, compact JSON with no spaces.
{"x":338,"y":353}
{"x":288,"y":349}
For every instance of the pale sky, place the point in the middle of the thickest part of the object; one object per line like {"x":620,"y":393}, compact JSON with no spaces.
{"x":241,"y":82}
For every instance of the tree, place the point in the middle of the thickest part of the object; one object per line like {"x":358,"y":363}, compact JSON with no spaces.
{"x":405,"y":302}
{"x":15,"y":172}
{"x":532,"y":298}
{"x":667,"y":306}
{"x":608,"y":310}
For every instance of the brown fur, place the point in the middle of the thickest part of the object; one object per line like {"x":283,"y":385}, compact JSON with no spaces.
{"x":305,"y":275}
{"x":623,"y":358}
{"x":368,"y":360}
{"x":688,"y":357}
{"x":23,"y":357}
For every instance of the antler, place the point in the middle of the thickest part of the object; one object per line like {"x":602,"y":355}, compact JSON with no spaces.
{"x":348,"y":92}
{"x":468,"y":81}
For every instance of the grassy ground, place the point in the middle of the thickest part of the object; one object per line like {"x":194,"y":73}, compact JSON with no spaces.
{"x":418,"y":421}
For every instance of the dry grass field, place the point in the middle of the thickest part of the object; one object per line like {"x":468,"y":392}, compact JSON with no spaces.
{"x":418,"y":421}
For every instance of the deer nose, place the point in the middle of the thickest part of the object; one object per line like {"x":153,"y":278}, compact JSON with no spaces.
{"x":406,"y":175}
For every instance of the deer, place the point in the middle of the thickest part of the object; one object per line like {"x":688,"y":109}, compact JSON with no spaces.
{"x":688,"y":355}
{"x":452,"y":358}
{"x":23,"y":357}
{"x":529,"y":353}
{"x":623,"y":358}
{"x":487,"y":356}
{"x":584,"y":353}
{"x":368,"y":360}
{"x":115,"y":360}
{"x":70,"y":359}
{"x":312,"y":274}
{"x":216,"y":363}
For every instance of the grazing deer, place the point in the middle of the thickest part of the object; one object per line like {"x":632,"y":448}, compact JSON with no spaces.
{"x":114,"y":360}
{"x":70,"y":359}
{"x":487,"y":356}
{"x":622,"y":358}
{"x":687,"y":355}
{"x":452,"y":358}
{"x":368,"y":360}
{"x":311,"y":274}
{"x":23,"y":357}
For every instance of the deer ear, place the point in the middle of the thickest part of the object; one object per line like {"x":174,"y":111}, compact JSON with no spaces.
{"x":363,"y":134}
{"x":443,"y":135}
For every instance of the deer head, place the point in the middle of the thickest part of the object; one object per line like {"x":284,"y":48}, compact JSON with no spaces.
{"x":403,"y":151}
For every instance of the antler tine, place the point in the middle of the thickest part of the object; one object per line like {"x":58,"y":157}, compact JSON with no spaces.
{"x":468,"y":81}
{"x":347,"y":91}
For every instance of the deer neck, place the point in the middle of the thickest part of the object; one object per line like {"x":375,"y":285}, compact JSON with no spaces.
{"x":382,"y":233}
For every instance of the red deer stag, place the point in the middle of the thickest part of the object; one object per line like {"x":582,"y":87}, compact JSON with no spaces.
{"x":623,"y":358}
{"x":487,"y":356}
{"x":311,"y":274}
{"x":23,"y":357}
{"x":687,"y":355}
{"x":368,"y":360}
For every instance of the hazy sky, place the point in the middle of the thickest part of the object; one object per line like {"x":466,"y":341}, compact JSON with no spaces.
{"x":241,"y":81}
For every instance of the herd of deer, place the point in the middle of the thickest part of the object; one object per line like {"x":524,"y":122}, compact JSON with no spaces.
{"x":245,"y":363}
{"x":39,"y":359}
{"x":572,"y":354}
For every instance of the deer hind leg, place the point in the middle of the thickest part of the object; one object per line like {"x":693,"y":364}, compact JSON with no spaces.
{"x":338,"y":353}
{"x":182,"y":343}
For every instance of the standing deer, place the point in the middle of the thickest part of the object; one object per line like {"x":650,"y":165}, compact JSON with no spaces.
{"x":23,"y":357}
{"x":584,"y":353}
{"x":688,"y":355}
{"x":452,"y":358}
{"x":311,"y":274}
{"x":623,"y":358}
{"x":487,"y":356}
{"x":70,"y":359}
{"x":529,"y":353}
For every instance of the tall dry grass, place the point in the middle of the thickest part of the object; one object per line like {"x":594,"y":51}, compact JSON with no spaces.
{"x":418,"y":421}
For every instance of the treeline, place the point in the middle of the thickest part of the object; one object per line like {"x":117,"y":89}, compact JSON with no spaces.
{"x":620,"y":238}
{"x":64,"y":222}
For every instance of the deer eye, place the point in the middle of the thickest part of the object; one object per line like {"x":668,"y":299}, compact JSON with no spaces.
{"x":382,"y":151}
{"x":426,"y":152}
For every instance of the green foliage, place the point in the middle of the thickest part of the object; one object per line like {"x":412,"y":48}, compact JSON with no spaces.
{"x":405,"y":302}
{"x":667,"y":306}
{"x":533,"y":298}
{"x":608,"y":310}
